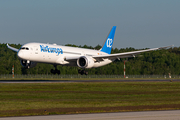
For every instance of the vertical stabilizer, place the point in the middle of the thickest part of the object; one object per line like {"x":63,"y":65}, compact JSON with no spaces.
{"x":109,"y":41}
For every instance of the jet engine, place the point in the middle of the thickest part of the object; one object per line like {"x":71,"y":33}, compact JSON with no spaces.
{"x":28,"y":64}
{"x":85,"y":62}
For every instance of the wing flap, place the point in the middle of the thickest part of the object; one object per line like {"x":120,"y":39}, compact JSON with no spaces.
{"x":126,"y":54}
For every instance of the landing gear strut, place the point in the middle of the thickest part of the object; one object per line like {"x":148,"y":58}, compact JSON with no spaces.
{"x":56,"y":71}
{"x":82,"y":72}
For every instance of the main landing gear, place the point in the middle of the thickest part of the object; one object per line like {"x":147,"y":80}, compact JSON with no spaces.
{"x":56,"y":71}
{"x":82,"y":72}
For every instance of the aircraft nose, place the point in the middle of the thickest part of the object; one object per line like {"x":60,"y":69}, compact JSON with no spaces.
{"x":20,"y":54}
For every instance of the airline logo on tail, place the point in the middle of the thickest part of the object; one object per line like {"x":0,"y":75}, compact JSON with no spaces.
{"x":109,"y":43}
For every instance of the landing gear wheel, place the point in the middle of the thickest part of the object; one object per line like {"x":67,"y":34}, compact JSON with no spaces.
{"x":79,"y":71}
{"x":52,"y":71}
{"x":86,"y":72}
{"x":82,"y":72}
{"x":56,"y":71}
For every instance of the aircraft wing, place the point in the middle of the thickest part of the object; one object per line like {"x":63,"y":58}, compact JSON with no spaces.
{"x":12,"y":48}
{"x":125,"y":55}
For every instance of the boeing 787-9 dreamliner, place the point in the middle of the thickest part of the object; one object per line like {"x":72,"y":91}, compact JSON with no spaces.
{"x":32,"y":53}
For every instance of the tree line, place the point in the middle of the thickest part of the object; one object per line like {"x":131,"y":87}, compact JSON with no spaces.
{"x":159,"y":62}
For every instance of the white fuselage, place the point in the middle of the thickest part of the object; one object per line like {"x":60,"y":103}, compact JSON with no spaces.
{"x":57,"y":54}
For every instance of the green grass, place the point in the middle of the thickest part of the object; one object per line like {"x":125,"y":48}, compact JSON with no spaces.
{"x":89,"y":78}
{"x":20,"y":99}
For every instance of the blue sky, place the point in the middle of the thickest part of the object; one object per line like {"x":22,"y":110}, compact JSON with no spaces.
{"x":140,"y":23}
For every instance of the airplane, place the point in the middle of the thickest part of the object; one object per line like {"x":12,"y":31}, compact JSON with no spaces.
{"x":32,"y":53}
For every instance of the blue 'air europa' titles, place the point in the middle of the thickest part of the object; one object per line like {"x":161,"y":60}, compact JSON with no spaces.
{"x":51,"y":50}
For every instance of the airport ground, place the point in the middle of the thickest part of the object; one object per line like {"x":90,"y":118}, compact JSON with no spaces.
{"x":71,"y":97}
{"x":143,"y":115}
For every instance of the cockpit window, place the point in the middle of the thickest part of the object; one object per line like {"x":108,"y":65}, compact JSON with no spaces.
{"x":24,"y":48}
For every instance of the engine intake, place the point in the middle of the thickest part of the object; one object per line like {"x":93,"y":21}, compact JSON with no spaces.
{"x":28,"y":64}
{"x":85,"y":62}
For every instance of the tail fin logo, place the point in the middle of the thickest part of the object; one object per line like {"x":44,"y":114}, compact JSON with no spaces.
{"x":109,"y":43}
{"x":107,"y":46}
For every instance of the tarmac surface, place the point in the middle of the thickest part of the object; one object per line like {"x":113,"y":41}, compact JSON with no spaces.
{"x":146,"y":115}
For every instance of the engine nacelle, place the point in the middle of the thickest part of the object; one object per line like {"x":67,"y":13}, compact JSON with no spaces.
{"x":85,"y":62}
{"x":28,"y":64}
